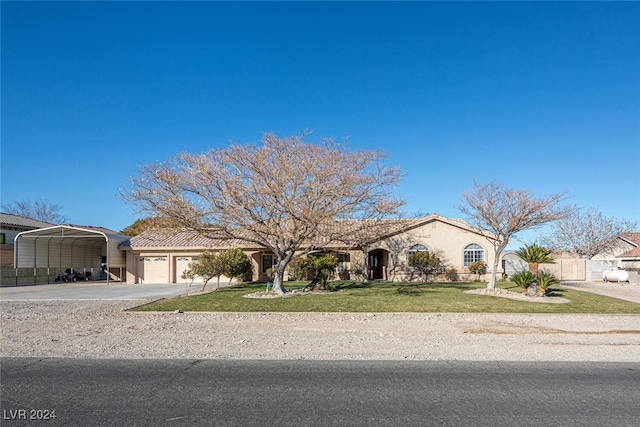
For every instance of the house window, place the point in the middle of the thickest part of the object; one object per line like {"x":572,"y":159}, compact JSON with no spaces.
{"x":417,"y":248}
{"x":473,"y":253}
{"x":2,"y":239}
{"x":268,"y":261}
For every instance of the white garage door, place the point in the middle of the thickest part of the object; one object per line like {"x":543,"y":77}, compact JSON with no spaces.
{"x":154,"y":270}
{"x":182,"y":264}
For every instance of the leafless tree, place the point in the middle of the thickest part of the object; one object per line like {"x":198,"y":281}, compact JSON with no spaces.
{"x":286,"y":195}
{"x":38,"y":209}
{"x":501,"y":212}
{"x":586,"y":233}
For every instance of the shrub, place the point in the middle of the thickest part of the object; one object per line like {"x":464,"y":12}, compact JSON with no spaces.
{"x":450,"y":274}
{"x":545,"y":280}
{"x":477,"y":268}
{"x":426,"y":263}
{"x":523,"y":279}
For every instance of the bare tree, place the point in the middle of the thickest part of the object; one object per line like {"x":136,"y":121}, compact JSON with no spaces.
{"x":501,"y":212}
{"x":38,"y":209}
{"x":586,"y":233}
{"x":285,"y":195}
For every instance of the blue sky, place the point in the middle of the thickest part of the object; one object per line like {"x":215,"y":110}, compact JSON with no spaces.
{"x":539,"y":96}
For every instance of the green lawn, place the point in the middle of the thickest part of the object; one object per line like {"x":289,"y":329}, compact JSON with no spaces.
{"x":391,"y":297}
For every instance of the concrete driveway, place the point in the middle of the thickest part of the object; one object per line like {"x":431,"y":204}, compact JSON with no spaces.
{"x":95,"y":291}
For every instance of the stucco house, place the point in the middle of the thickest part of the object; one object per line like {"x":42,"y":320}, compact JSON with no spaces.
{"x":161,"y":256}
{"x":10,"y":226}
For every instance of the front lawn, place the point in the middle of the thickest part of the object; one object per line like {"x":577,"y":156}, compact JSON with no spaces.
{"x":391,"y":297}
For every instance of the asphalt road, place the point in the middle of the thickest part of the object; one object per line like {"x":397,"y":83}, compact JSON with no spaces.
{"x":85,"y":392}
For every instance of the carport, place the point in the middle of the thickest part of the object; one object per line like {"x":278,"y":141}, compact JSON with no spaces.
{"x":84,"y":249}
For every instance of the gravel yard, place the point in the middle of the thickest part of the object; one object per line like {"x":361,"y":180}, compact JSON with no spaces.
{"x":104,"y":329}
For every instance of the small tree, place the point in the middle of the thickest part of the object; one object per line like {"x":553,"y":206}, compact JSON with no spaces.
{"x":38,"y":209}
{"x":237,"y":264}
{"x":534,"y":255}
{"x":425,"y":262}
{"x":208,"y":266}
{"x":501,"y":212}
{"x":138,"y":227}
{"x":477,"y":268}
{"x":587,"y":233}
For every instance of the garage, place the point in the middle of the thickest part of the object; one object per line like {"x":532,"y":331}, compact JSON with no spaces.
{"x":93,"y":251}
{"x":153,"y":269}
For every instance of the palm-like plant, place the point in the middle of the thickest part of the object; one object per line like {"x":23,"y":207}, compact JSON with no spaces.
{"x":545,"y":280}
{"x":523,"y":279}
{"x":535,"y":255}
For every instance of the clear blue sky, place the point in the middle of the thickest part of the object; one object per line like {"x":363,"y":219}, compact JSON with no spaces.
{"x":539,"y":96}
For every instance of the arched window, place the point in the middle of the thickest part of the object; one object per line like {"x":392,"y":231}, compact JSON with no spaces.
{"x":473,"y":253}
{"x":417,"y":248}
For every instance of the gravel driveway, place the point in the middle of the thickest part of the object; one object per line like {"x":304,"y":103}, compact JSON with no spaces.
{"x":103,"y":329}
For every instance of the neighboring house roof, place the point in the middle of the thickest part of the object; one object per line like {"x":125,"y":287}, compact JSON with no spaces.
{"x":18,"y":222}
{"x":93,"y":228}
{"x":632,"y":239}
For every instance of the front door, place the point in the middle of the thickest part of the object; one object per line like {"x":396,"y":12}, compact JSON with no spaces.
{"x":376,"y":264}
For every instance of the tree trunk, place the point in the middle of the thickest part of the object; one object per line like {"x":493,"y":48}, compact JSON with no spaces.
{"x":533,"y":268}
{"x":365,"y":273}
{"x":278,"y":279}
{"x":498,"y":248}
{"x":492,"y":281}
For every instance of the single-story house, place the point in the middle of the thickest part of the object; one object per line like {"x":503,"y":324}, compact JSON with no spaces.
{"x":10,"y":226}
{"x":161,"y":256}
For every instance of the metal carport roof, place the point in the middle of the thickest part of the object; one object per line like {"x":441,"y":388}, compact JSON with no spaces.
{"x":65,"y":246}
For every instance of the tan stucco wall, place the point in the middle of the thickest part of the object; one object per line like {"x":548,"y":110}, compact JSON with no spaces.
{"x":443,"y":239}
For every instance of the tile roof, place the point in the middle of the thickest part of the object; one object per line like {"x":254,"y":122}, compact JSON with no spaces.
{"x":23,"y":223}
{"x":634,"y":240}
{"x":366,"y":231}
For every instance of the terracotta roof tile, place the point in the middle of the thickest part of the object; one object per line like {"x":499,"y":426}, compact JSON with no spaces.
{"x":367,"y":231}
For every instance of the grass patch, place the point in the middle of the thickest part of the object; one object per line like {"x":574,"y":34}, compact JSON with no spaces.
{"x":391,"y":297}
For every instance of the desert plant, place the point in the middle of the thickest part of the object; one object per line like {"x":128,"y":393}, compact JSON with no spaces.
{"x":545,"y":280}
{"x":535,"y":255}
{"x":523,"y":279}
{"x":321,"y":268}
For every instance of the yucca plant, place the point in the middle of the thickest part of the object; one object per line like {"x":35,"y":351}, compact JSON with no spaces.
{"x":545,"y":280}
{"x":535,"y":255}
{"x":523,"y":279}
